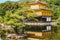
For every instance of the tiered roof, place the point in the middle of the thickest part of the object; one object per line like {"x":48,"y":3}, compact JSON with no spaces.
{"x":38,"y":7}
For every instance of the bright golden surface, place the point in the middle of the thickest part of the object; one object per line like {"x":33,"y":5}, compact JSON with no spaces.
{"x":38,"y":34}
{"x":41,"y":12}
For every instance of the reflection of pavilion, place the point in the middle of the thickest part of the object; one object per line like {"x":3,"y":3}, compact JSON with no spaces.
{"x":13,"y":36}
{"x":41,"y":28}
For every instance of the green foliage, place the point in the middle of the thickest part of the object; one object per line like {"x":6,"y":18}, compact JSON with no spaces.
{"x":2,"y":33}
{"x":54,"y":5}
{"x":13,"y":13}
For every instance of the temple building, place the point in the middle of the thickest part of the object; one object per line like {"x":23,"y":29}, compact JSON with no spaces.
{"x":41,"y":28}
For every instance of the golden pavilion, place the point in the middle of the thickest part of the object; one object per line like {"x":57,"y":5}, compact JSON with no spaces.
{"x":42,"y":28}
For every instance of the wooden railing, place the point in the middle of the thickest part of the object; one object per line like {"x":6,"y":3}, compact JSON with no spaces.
{"x":41,"y":23}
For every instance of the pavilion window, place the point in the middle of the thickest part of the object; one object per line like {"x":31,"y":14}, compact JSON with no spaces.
{"x":48,"y":28}
{"x":48,"y":18}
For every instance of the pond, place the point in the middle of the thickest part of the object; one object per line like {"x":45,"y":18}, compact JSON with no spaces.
{"x":0,"y":38}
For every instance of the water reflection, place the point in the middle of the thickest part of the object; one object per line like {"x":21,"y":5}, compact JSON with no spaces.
{"x":0,"y":38}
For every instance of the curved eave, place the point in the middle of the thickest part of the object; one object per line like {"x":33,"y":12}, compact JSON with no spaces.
{"x":34,"y":3}
{"x":43,"y":10}
{"x":39,"y":10}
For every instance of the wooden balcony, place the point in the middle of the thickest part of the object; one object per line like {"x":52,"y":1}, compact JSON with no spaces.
{"x":41,"y":23}
{"x":36,"y":23}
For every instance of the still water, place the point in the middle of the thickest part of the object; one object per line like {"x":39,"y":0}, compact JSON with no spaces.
{"x":0,"y":38}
